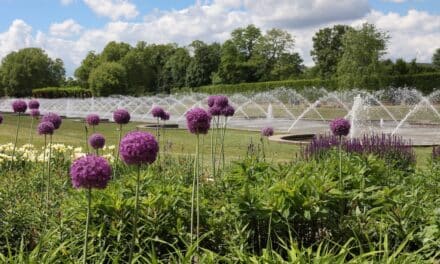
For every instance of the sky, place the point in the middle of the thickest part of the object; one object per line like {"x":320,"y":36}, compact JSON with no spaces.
{"x":69,"y":29}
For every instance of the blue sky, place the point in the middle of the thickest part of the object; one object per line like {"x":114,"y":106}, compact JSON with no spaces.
{"x":70,"y":28}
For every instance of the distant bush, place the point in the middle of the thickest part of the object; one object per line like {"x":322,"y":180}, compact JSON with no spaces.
{"x":424,"y":82}
{"x":60,"y":92}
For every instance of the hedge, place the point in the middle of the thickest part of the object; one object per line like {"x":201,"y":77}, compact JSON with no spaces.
{"x":424,"y":82}
{"x":60,"y":92}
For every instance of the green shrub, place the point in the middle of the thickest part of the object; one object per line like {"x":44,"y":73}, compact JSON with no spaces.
{"x":61,"y":92}
{"x":424,"y":82}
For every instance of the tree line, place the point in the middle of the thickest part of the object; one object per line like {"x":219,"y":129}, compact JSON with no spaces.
{"x":348,"y":56}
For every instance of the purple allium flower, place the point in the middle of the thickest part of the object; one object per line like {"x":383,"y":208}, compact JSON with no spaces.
{"x":53,"y":118}
{"x":228,"y":110}
{"x":166,"y":116}
{"x":215,"y":110}
{"x":97,"y":141}
{"x":211,"y":100}
{"x":198,"y":121}
{"x":45,"y":128}
{"x":267,"y":131}
{"x":222,"y":101}
{"x":34,"y":104}
{"x":35,"y":112}
{"x":157,"y":112}
{"x":92,"y":119}
{"x":138,"y":148}
{"x":19,"y":106}
{"x":90,"y":171}
{"x":121,"y":116}
{"x":340,"y":127}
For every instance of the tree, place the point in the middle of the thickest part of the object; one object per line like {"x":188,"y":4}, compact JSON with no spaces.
{"x":287,"y":66}
{"x":203,"y":64}
{"x":115,"y":51}
{"x":359,"y":66}
{"x":174,"y":71}
{"x":140,"y":73}
{"x":107,"y":79}
{"x":436,"y":58}
{"x":400,"y":67}
{"x":327,"y":49}
{"x":29,"y":68}
{"x":246,"y":39}
{"x":82,"y":73}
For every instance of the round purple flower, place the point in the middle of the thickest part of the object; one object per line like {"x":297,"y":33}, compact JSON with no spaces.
{"x":35,"y":112}
{"x":228,"y":111}
{"x":222,"y":101}
{"x":215,"y":110}
{"x":90,"y":171}
{"x":97,"y":141}
{"x":166,"y":116}
{"x":267,"y":132}
{"x":138,"y":148}
{"x":19,"y":106}
{"x":34,"y":104}
{"x":92,"y":119}
{"x":211,"y":100}
{"x":157,"y":112}
{"x":340,"y":127}
{"x":45,"y":128}
{"x":53,"y":118}
{"x":198,"y":121}
{"x":121,"y":116}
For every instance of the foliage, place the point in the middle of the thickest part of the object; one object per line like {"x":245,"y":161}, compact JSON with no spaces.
{"x":436,"y":58}
{"x":29,"y":68}
{"x":61,"y":92}
{"x":107,"y":79}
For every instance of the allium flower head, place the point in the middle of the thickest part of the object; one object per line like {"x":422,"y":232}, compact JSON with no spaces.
{"x":211,"y":100}
{"x":45,"y":128}
{"x":267,"y":132}
{"x":97,"y":141}
{"x":138,"y":148}
{"x":198,"y":121}
{"x":166,"y":116}
{"x":121,"y":116}
{"x":340,"y":127}
{"x":90,"y":171}
{"x":53,"y":118}
{"x":35,"y":112}
{"x":215,"y":110}
{"x":222,"y":101}
{"x":34,"y":104}
{"x":228,"y":110}
{"x":92,"y":119}
{"x":19,"y":106}
{"x":157,"y":112}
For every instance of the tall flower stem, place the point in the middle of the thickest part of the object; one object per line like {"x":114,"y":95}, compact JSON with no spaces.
{"x":223,"y":143}
{"x":158,"y":135}
{"x":340,"y":162}
{"x":135,"y":218}
{"x":86,"y":137}
{"x":16,"y":139}
{"x":117,"y":152}
{"x":30,"y":131}
{"x":49,"y":167}
{"x":86,"y":234}
{"x":212,"y":154}
{"x":44,"y":169}
{"x":195,"y":192}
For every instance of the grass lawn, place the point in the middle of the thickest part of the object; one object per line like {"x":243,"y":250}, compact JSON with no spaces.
{"x":180,"y":141}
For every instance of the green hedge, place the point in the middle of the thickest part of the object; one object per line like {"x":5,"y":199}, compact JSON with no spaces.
{"x":60,"y":92}
{"x":424,"y":82}
{"x":265,"y":86}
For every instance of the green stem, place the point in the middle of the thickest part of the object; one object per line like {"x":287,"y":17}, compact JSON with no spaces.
{"x":197,"y":193}
{"x":212,"y":153}
{"x":30,"y":131}
{"x":223,"y":144}
{"x":195,"y":188}
{"x":340,"y":162}
{"x":86,"y":138}
{"x":44,"y":169}
{"x":135,"y":218}
{"x":89,"y":200}
{"x":117,"y":152}
{"x":158,"y":137}
{"x":49,"y":167}
{"x":16,"y":139}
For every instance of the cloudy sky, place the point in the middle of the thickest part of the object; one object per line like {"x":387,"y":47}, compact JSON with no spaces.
{"x":68,"y":29}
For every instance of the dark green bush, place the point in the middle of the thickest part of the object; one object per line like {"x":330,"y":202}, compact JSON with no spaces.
{"x":424,"y":82}
{"x":61,"y":92}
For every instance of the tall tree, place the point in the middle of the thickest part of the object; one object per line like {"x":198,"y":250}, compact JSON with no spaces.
{"x":82,"y":73}
{"x":115,"y":51}
{"x":436,"y":58}
{"x":246,"y":39}
{"x":175,"y":69}
{"x":359,"y":66}
{"x":203,"y":64}
{"x":29,"y":68}
{"x":108,"y":78}
{"x":328,"y":49}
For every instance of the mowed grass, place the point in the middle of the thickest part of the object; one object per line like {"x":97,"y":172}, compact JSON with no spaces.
{"x":179,"y":141}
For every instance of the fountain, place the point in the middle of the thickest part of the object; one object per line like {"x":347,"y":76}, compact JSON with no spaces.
{"x":404,"y":111}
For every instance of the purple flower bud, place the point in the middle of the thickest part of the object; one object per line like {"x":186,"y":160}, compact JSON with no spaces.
{"x":138,"y":148}
{"x":157,"y":112}
{"x":90,"y":171}
{"x":267,"y":132}
{"x":215,"y":110}
{"x":53,"y":118}
{"x":340,"y":127}
{"x":92,"y":119}
{"x":35,"y":112}
{"x":121,"y":116}
{"x":34,"y":104}
{"x":198,"y":121}
{"x":45,"y":128}
{"x":228,"y":111}
{"x":222,"y":101}
{"x":211,"y":100}
{"x":97,"y":141}
{"x":19,"y":106}
{"x":166,"y":116}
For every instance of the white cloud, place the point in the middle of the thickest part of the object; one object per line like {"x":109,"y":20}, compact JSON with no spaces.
{"x":114,"y":9}
{"x":67,"y":28}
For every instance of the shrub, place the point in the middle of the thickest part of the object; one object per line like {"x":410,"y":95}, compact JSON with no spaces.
{"x":61,"y":92}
